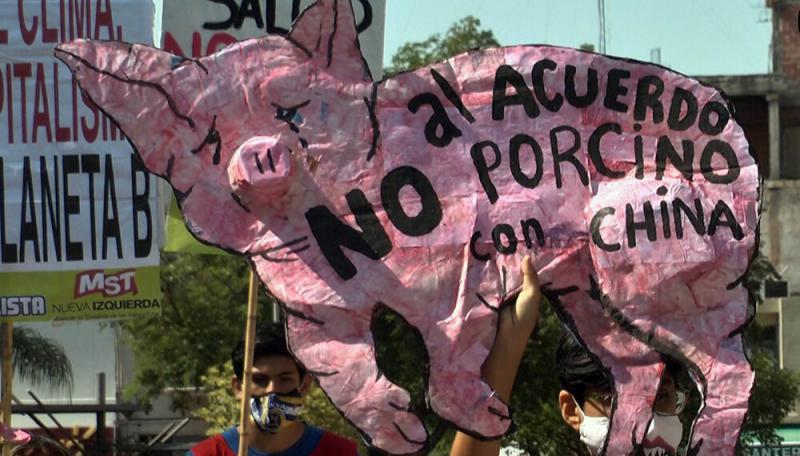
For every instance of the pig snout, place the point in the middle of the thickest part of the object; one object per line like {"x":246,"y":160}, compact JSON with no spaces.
{"x":261,"y":171}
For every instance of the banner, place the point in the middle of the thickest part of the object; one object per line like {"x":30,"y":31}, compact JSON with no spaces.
{"x":78,"y":210}
{"x":94,"y":293}
{"x":197,"y":28}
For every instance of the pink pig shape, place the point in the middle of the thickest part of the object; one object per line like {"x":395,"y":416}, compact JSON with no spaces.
{"x":422,"y":192}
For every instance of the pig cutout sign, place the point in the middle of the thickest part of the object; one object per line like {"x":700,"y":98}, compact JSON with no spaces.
{"x":630,"y":185}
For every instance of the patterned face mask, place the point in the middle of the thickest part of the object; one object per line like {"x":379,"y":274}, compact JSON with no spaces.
{"x":273,"y":412}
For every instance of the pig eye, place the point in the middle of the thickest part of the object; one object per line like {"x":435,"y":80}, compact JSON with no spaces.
{"x":285,"y":114}
{"x":289,"y":114}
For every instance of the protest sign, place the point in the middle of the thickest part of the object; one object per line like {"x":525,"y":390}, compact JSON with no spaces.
{"x":193,"y":28}
{"x":78,"y":216}
{"x":632,"y":186}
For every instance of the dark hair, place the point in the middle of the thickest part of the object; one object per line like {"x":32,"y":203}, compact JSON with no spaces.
{"x":270,"y":340}
{"x":675,"y":369}
{"x":577,"y":369}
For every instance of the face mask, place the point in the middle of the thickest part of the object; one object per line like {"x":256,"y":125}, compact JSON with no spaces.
{"x":273,"y":412}
{"x":594,"y":430}
{"x":663,"y":436}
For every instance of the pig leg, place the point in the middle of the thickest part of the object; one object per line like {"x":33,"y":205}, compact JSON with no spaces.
{"x":634,"y":366}
{"x":636,"y":370}
{"x":456,"y":390}
{"x":342,"y":357}
{"x":635,"y":393}
{"x":728,"y":382}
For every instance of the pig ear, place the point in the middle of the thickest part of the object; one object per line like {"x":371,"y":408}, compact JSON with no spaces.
{"x":137,"y":87}
{"x":328,"y":30}
{"x":159,"y":101}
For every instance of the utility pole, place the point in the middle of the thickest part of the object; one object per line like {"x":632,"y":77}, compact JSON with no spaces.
{"x":601,"y":14}
{"x":655,"y":55}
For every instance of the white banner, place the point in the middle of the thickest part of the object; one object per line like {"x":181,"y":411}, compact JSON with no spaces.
{"x":73,"y":195}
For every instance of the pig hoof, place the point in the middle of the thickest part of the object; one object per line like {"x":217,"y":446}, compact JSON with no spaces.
{"x":412,"y":434}
{"x":496,"y":419}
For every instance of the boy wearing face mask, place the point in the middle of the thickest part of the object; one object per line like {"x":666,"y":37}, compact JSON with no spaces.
{"x":279,"y":386}
{"x":586,"y":399}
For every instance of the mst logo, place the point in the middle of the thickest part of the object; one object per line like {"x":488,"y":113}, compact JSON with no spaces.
{"x":109,"y":285}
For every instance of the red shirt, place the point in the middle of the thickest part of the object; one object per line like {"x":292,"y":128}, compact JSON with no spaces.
{"x":313,"y":442}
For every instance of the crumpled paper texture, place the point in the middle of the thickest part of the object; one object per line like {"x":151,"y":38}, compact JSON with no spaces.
{"x":423,"y":192}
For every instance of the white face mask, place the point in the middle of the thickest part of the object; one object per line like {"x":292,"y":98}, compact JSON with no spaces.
{"x":594,"y":430}
{"x":663,"y":436}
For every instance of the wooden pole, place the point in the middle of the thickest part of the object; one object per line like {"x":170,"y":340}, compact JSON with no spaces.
{"x":8,"y":377}
{"x":250,"y":335}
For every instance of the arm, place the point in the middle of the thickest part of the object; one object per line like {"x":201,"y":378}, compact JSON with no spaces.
{"x":500,"y":369}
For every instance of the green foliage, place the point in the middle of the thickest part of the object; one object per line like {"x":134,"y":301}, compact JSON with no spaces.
{"x":203,"y":317}
{"x":40,"y":360}
{"x":220,"y":410}
{"x":462,"y":36}
{"x":774,"y":395}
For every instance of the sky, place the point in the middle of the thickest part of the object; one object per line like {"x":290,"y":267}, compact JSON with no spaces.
{"x":696,"y":37}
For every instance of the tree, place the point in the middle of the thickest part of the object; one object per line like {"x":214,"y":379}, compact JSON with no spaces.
{"x":220,"y":410}
{"x":40,"y":360}
{"x":203,"y":317}
{"x":462,"y":36}
{"x":776,"y":390}
{"x":774,"y":395}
